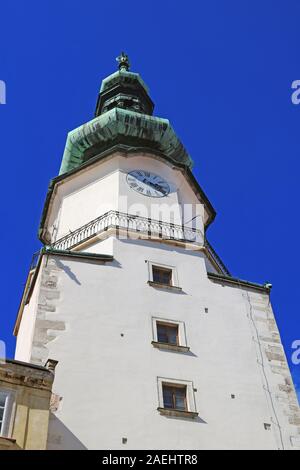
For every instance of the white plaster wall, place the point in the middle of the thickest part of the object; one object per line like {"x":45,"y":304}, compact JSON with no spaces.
{"x":103,"y":247}
{"x":27,"y":324}
{"x":95,"y":191}
{"x":108,"y":382}
{"x":88,"y":202}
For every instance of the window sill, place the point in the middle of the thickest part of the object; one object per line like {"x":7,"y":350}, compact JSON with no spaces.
{"x":7,"y":443}
{"x":170,"y":347}
{"x":164,"y":286}
{"x":177,"y":413}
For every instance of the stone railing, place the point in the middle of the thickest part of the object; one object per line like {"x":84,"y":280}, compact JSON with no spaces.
{"x":136,"y":226}
{"x":130,"y":223}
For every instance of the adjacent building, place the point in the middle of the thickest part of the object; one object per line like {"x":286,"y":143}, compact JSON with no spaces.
{"x":25,"y":403}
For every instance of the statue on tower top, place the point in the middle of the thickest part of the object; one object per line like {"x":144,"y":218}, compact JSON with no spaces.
{"x":123,"y":61}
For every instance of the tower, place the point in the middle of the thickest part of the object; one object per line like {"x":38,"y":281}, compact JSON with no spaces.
{"x":158,"y":346}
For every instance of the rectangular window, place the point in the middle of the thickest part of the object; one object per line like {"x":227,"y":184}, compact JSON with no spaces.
{"x":174,"y":397}
{"x":162,"y":275}
{"x":3,"y":407}
{"x":6,"y":411}
{"x":167,"y":333}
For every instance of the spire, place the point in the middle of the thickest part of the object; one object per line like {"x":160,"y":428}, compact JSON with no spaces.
{"x":123,"y":119}
{"x":124,"y":89}
{"x":123,"y":61}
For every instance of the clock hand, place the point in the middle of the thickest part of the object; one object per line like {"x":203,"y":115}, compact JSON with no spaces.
{"x":155,"y":186}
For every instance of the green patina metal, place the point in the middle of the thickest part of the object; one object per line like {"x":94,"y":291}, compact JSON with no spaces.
{"x":126,"y":90}
{"x":123,"y":76}
{"x":239,"y":282}
{"x":122,"y":126}
{"x":123,"y":116}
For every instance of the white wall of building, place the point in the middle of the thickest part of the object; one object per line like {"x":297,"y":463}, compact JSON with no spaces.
{"x":96,"y":319}
{"x":26,"y":329}
{"x":108,"y":369}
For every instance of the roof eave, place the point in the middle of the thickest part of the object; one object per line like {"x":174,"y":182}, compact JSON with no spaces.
{"x":266,"y":288}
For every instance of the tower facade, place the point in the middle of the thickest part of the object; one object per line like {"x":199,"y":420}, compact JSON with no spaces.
{"x":158,"y":345}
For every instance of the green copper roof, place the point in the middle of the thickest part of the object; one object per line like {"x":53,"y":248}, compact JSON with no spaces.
{"x":125,"y":90}
{"x":123,"y":117}
{"x":122,"y":75}
{"x":122,"y":126}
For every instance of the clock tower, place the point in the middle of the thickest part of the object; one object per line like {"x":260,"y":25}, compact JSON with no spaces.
{"x":158,"y":345}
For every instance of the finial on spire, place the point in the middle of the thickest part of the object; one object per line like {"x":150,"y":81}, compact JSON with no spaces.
{"x":123,"y":61}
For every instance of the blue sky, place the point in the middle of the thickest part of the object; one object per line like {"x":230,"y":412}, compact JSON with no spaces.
{"x":221,"y":71}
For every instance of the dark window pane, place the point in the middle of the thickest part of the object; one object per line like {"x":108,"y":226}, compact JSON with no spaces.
{"x":2,"y":399}
{"x":168,"y":397}
{"x":173,"y":335}
{"x":174,"y":397}
{"x":167,"y":333}
{"x":162,"y":334}
{"x":162,"y":276}
{"x":180,"y":403}
{"x":180,"y":398}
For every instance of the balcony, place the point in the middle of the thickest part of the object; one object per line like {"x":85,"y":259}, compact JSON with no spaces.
{"x":130,"y":226}
{"x":133,"y":227}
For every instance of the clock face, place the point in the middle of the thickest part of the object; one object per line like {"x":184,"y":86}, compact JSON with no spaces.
{"x":147,"y":183}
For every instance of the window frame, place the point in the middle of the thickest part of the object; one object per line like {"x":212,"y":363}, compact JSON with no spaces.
{"x":191,"y":409}
{"x":182,"y":339}
{"x":168,"y":326}
{"x":161,"y":270}
{"x":173,"y":388}
{"x":9,"y":408}
{"x":174,"y":276}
